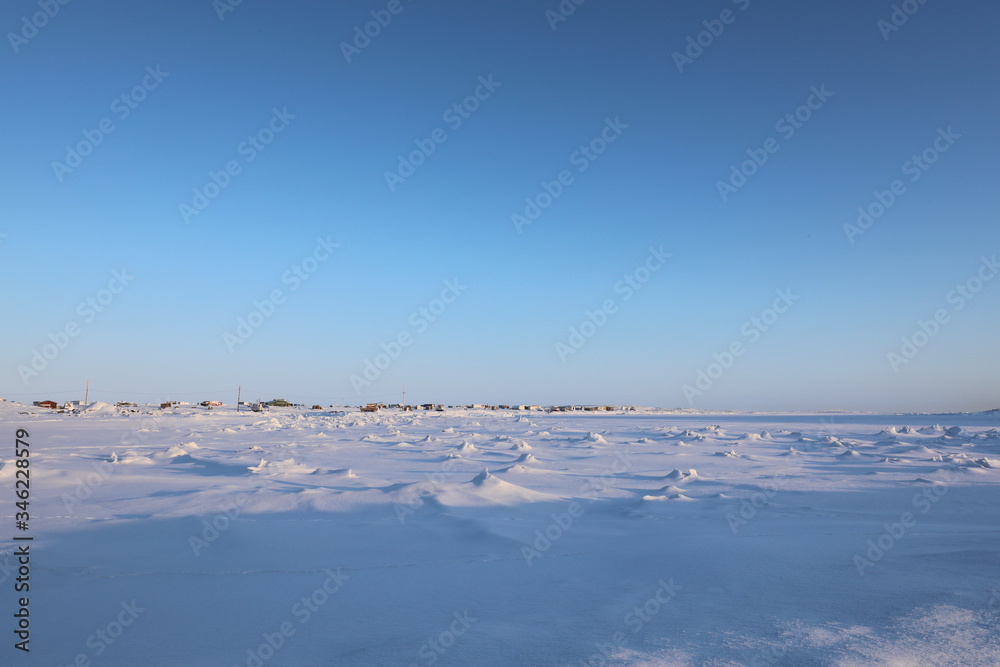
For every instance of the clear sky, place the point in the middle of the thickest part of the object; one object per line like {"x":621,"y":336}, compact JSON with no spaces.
{"x":694,"y":166}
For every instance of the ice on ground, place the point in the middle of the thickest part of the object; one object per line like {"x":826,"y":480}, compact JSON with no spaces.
{"x":782,"y":539}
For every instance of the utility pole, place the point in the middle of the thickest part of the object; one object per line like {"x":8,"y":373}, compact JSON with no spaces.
{"x":86,"y":398}
{"x":239,"y":392}
{"x":404,"y":395}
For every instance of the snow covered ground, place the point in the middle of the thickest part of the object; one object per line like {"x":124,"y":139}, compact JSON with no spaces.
{"x":195,"y":537}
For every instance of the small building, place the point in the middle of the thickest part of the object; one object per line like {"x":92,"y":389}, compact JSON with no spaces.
{"x":52,"y":405}
{"x":211,"y":404}
{"x":279,"y":403}
{"x":317,"y":407}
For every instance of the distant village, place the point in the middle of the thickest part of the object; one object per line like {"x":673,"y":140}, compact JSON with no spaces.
{"x":260,"y":406}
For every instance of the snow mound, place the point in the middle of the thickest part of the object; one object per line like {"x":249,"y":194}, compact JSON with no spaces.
{"x":100,"y":408}
{"x":519,"y":469}
{"x":914,"y":449}
{"x":521,"y":446}
{"x":526,"y":458}
{"x":672,"y":497}
{"x":288,"y":466}
{"x":343,"y":473}
{"x":595,"y":437}
{"x":681,"y":476}
{"x":176,"y":451}
{"x":466,"y":448}
{"x":485,"y":489}
{"x":131,"y":458}
{"x":731,"y":453}
{"x":484,"y":478}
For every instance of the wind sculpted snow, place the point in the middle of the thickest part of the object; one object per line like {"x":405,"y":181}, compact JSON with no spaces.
{"x":474,"y":537}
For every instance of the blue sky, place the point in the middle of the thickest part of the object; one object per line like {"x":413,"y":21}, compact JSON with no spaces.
{"x":888,"y":95}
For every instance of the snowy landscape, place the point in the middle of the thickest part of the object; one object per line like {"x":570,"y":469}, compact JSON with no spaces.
{"x":737,"y":259}
{"x":201,"y":536}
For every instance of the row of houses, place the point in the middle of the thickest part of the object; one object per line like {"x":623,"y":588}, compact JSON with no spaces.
{"x":370,"y":407}
{"x":375,"y":407}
